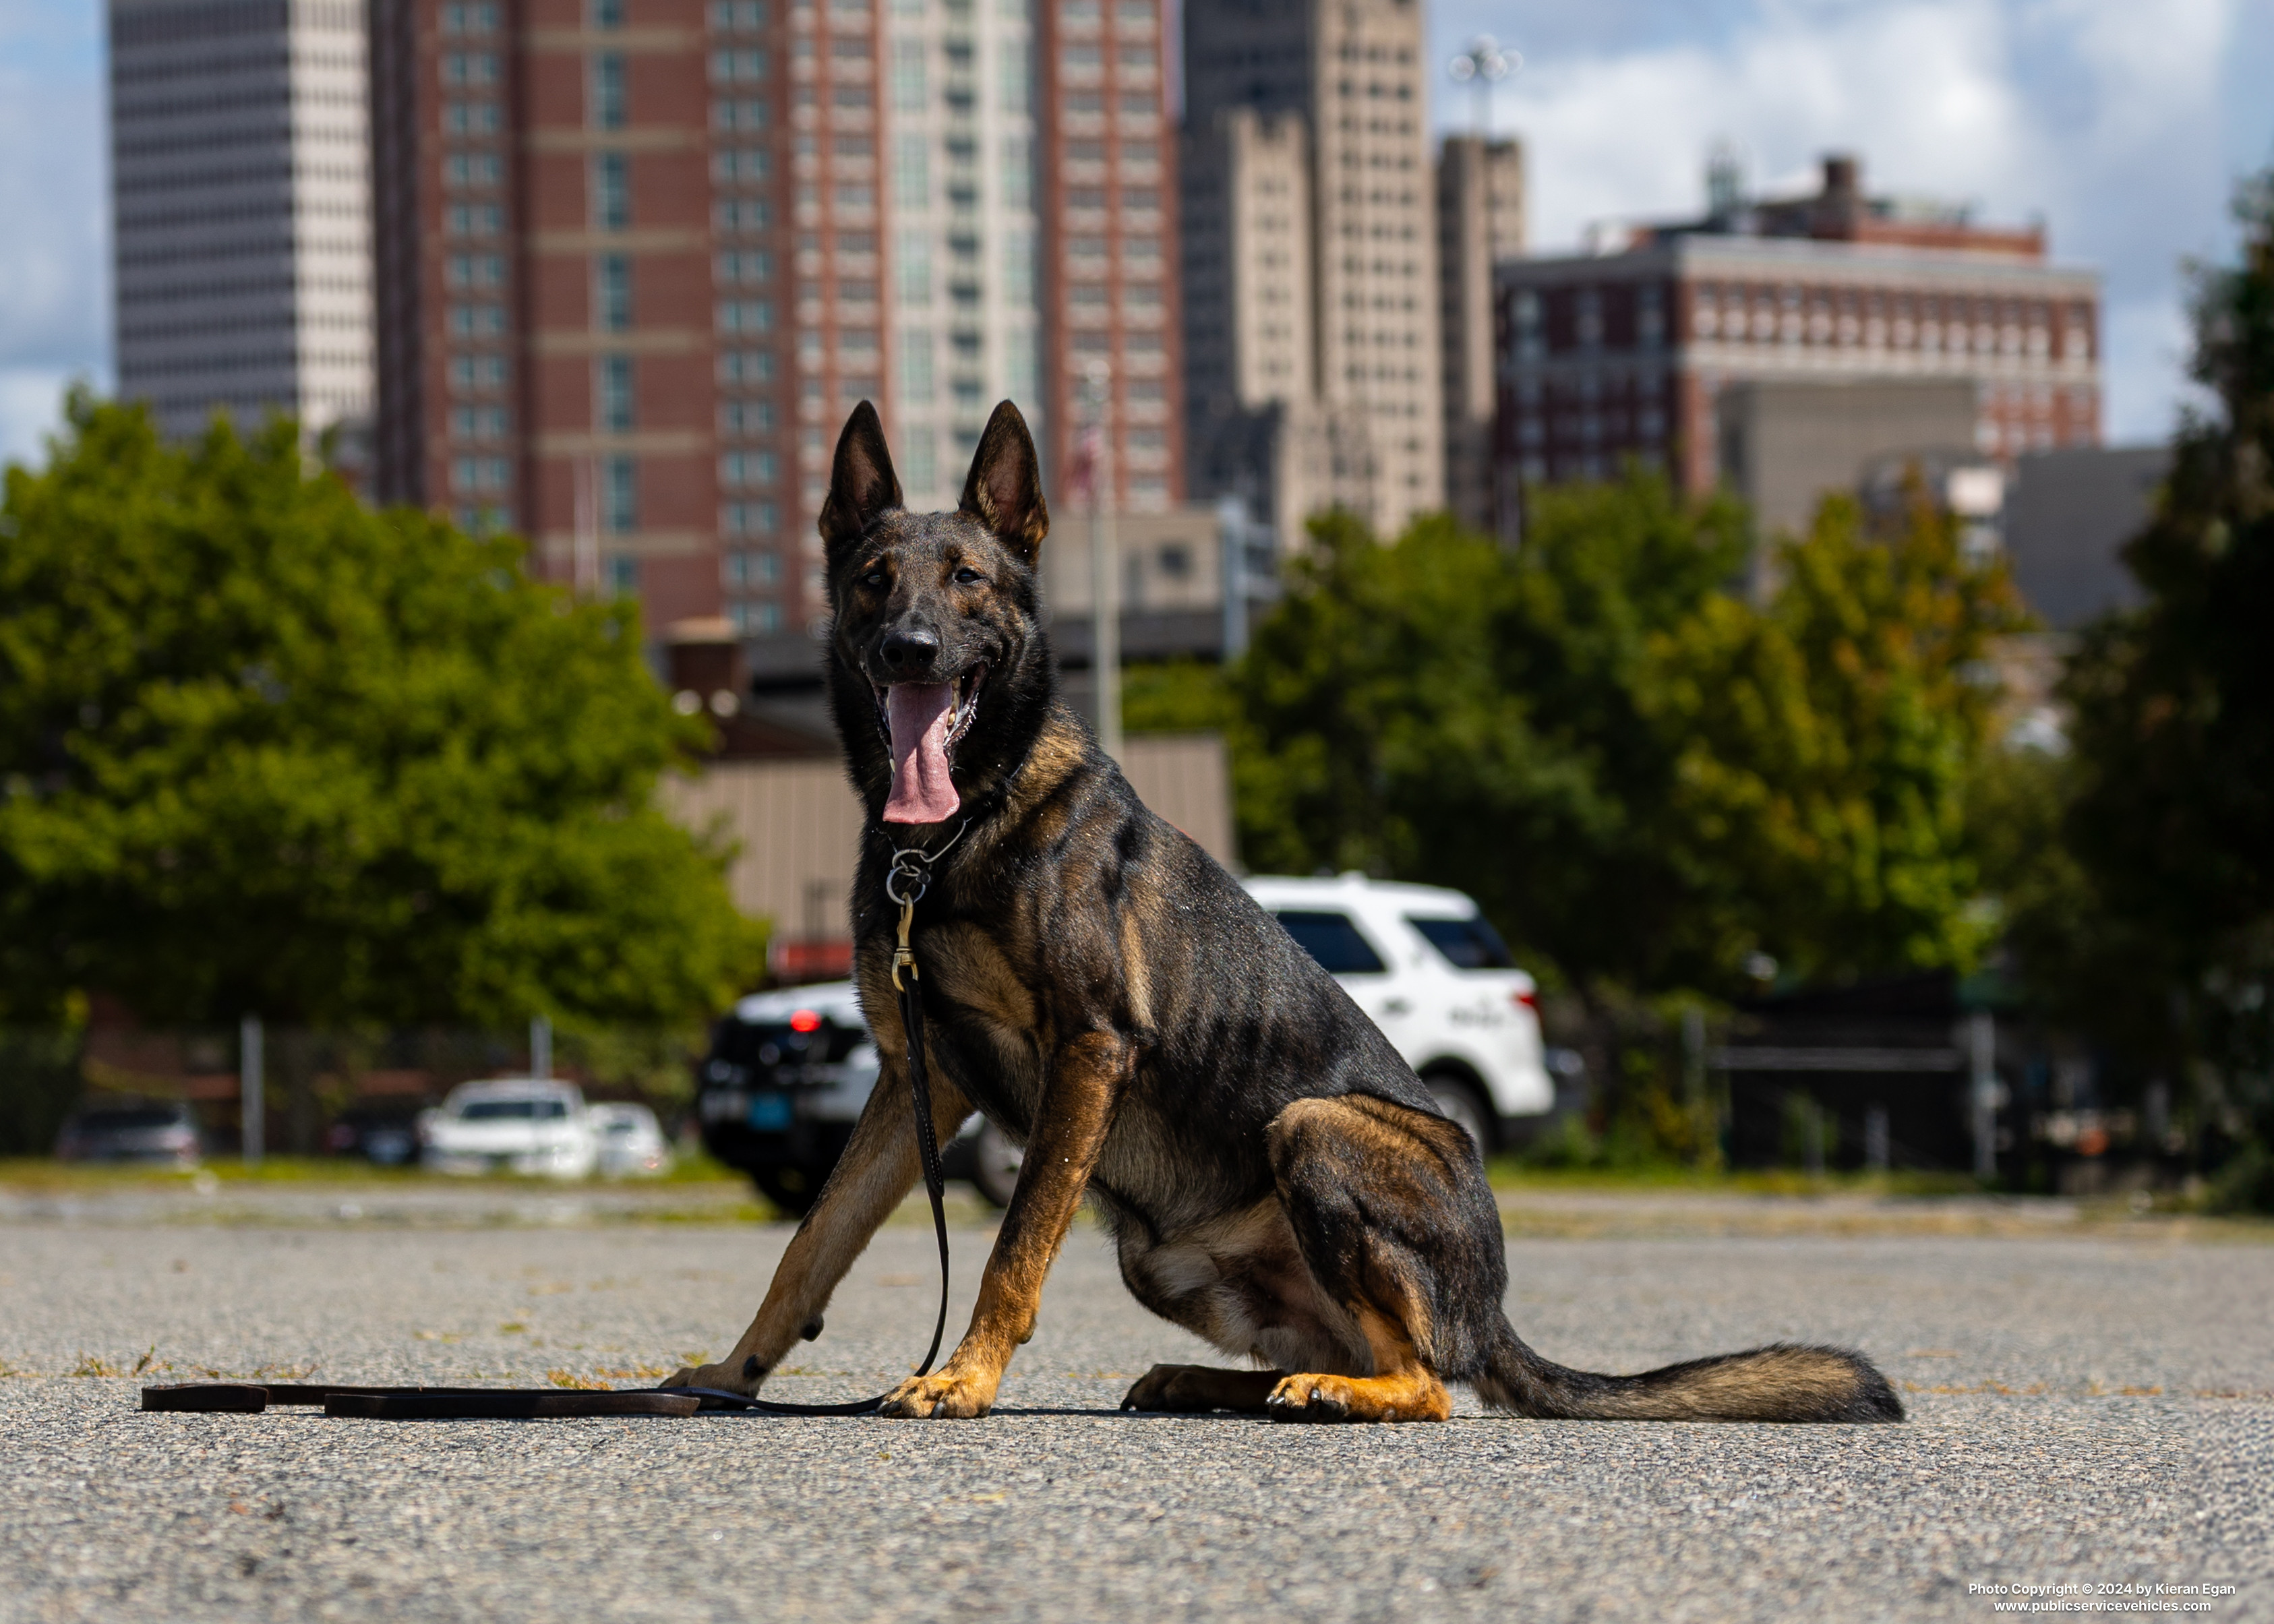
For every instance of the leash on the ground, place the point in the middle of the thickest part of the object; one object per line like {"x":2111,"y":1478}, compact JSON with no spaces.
{"x":906,"y":882}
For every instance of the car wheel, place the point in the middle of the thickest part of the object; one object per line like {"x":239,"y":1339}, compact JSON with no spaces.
{"x":1457,"y":1100}
{"x":996,"y":1164}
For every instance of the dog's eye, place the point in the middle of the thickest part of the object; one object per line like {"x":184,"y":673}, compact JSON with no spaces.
{"x":874,"y":580}
{"x":968,"y":577}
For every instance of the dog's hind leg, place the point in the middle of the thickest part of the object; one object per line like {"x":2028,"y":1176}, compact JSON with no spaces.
{"x":1389,"y":1208}
{"x":879,"y":1167}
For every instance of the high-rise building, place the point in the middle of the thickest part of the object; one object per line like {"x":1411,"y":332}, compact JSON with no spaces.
{"x":240,"y":186}
{"x":1315,"y":369}
{"x":1111,"y":320}
{"x":641,"y":257}
{"x":1686,"y":347}
{"x":1479,"y":222}
{"x":960,"y":109}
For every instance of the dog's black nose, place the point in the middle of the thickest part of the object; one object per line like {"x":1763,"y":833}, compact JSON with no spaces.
{"x":910,"y":653}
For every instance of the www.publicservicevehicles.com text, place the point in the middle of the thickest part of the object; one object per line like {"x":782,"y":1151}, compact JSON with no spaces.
{"x":2087,"y":1598}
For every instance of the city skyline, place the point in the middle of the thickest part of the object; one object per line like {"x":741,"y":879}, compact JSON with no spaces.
{"x":2012,"y":96}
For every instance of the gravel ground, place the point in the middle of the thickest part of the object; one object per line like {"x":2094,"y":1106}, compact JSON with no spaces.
{"x":2096,"y":1409}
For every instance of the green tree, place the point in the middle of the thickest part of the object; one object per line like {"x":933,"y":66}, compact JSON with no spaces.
{"x":2172,"y":820}
{"x":264,"y":749}
{"x":1824,"y":749}
{"x":1644,"y":778}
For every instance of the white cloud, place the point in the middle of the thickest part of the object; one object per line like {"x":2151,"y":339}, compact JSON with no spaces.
{"x":30,"y":406}
{"x":2105,"y":116}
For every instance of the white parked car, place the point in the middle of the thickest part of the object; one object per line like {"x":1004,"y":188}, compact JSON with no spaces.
{"x":521,"y":1124}
{"x":1434,"y":974}
{"x":631,"y":1142}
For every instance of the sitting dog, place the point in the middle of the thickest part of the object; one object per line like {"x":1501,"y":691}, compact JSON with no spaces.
{"x":1276,"y":1180}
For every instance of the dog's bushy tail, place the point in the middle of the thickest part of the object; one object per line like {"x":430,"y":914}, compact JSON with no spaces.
{"x":1781,"y":1382}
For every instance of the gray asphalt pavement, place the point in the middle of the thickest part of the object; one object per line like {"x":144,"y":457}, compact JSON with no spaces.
{"x":2093,"y":1410}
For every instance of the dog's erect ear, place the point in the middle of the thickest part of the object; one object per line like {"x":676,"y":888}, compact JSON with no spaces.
{"x":862,"y":484}
{"x":1004,"y":490}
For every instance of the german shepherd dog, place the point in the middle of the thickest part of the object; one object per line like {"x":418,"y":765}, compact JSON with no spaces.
{"x":1275,"y":1179}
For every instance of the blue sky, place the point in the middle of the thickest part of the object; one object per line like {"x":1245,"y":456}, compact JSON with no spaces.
{"x":2124,"y":123}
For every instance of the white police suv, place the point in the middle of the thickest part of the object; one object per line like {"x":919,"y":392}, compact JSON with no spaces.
{"x":1434,"y":974}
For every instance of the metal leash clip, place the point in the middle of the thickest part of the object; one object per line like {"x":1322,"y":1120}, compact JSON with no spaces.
{"x":906,"y":881}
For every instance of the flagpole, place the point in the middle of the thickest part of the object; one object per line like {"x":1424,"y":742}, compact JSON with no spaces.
{"x":1105,"y":577}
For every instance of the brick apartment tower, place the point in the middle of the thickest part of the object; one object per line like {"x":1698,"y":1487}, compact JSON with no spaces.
{"x":1108,"y":209}
{"x":631,"y":261}
{"x":639,"y":258}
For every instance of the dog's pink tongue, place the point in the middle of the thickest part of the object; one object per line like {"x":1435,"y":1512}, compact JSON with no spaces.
{"x":922,"y":792}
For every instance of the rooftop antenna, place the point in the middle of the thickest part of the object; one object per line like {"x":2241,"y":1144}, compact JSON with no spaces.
{"x":1481,"y":66}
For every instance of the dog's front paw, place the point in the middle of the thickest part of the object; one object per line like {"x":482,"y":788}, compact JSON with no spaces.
{"x":723,"y":1377}
{"x":943,"y":1395}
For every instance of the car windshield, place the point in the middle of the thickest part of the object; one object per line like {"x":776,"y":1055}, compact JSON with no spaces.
{"x":128,"y":1121}
{"x":1331,"y":938}
{"x":513,"y":1110}
{"x":619,"y":1125}
{"x":1469,"y":944}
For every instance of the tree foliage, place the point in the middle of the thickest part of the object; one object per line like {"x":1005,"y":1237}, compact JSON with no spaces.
{"x":2172,"y":817}
{"x":264,"y":749}
{"x":1643,"y":777}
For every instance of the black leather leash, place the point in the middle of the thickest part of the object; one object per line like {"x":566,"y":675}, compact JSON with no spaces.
{"x":905,"y":882}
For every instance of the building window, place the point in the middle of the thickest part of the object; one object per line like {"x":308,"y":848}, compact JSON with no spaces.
{"x":613,"y":386}
{"x":612,"y":192}
{"x":742,"y":214}
{"x":916,"y":365}
{"x":472,"y":373}
{"x":607,"y":91}
{"x":611,"y":293}
{"x":464,"y":171}
{"x":743,"y":268}
{"x":912,"y":172}
{"x":1016,"y":76}
{"x":470,"y":118}
{"x":476,"y":271}
{"x":746,"y":367}
{"x":1018,"y":171}
{"x":623,"y":574}
{"x":468,"y":70}
{"x":608,"y":14}
{"x":619,"y":494}
{"x":478,"y":423}
{"x":908,"y":75}
{"x":473,"y":474}
{"x":1018,"y":266}
{"x":739,"y":418}
{"x":737,"y":16}
{"x":738,"y":469}
{"x":746,"y":316}
{"x":477,"y":19}
{"x":477,"y":322}
{"x":472,"y":220}
{"x":919,"y":454}
{"x":749,"y":519}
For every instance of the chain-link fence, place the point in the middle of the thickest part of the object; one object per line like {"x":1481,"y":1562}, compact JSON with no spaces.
{"x":319,"y":1091}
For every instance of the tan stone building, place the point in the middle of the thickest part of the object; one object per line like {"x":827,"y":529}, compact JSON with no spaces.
{"x":1313,"y":359}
